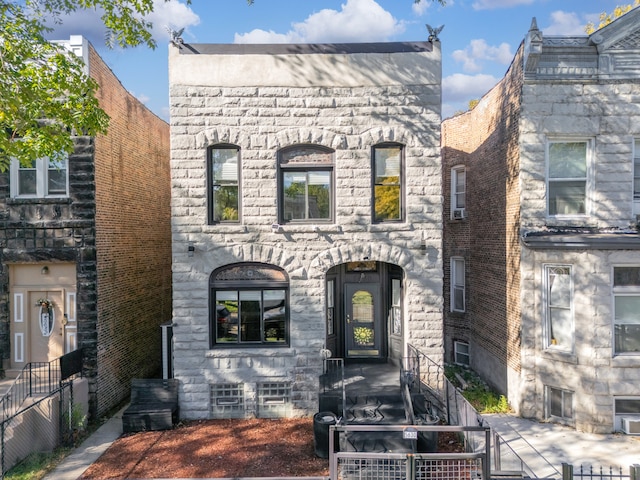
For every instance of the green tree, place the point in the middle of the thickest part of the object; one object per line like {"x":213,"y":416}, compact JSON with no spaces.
{"x":607,"y":18}
{"x":45,"y":96}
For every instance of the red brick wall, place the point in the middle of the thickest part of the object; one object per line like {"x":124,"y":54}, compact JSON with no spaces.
{"x":485,"y":140}
{"x":133,"y":239}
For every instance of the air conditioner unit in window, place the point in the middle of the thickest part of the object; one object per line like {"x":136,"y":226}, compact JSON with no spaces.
{"x":458,"y":213}
{"x":631,"y":425}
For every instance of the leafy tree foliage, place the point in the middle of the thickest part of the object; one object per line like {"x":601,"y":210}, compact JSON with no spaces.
{"x":607,"y":18}
{"x":45,"y":94}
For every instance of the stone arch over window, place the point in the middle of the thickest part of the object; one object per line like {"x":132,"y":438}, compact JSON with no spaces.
{"x":249,"y":306}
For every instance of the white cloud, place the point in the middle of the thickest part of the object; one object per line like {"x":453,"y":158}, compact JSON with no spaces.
{"x":172,"y":14}
{"x":568,"y":23}
{"x":358,"y":21}
{"x":458,"y":89}
{"x":491,"y":4}
{"x":462,"y":88}
{"x":421,"y":7}
{"x":88,"y":23}
{"x":478,"y":51}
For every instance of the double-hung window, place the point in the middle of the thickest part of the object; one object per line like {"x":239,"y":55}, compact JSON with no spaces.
{"x":457,"y":284}
{"x":250,"y":306}
{"x":224,"y":186}
{"x":559,"y":329}
{"x":461,"y":353}
{"x":44,"y":177}
{"x":567,"y":177}
{"x":306,"y":184}
{"x":387,"y":183}
{"x":626,"y":300}
{"x":458,"y":192}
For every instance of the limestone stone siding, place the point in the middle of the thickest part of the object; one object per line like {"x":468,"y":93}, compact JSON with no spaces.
{"x":342,"y":110}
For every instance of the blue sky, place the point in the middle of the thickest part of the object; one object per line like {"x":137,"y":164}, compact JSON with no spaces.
{"x":478,"y":41}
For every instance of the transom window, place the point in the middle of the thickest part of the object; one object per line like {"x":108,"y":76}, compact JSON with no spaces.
{"x":250,"y":306}
{"x":567,"y":177}
{"x":306,"y":184}
{"x":387,"y":183}
{"x":458,"y":192}
{"x":457,"y":284}
{"x":626,"y":300}
{"x":42,"y":178}
{"x":559,"y":308}
{"x":224,"y":187}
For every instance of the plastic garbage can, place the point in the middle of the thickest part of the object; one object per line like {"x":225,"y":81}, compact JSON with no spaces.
{"x":428,"y":441}
{"x":321,"y":423}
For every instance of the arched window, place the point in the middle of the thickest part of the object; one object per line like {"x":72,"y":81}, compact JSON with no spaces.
{"x":249,"y":306}
{"x":305,"y":175}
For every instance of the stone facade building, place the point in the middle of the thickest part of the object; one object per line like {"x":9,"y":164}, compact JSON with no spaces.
{"x":92,"y":236}
{"x":306,"y":215}
{"x":542,"y":253}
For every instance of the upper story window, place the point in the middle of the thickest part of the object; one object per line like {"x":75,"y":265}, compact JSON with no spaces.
{"x":558,"y":307}
{"x":458,"y":192}
{"x":387,"y":183}
{"x":43,"y":178}
{"x":250,"y":306}
{"x":306,"y":184}
{"x":626,"y":303}
{"x":636,"y":173}
{"x":457,"y":284}
{"x":567,"y":179}
{"x":223,"y":169}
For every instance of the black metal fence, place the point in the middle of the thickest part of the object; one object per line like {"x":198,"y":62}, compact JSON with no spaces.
{"x":40,"y":399}
{"x":599,"y":473}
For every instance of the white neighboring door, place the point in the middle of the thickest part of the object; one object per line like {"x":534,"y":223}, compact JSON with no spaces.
{"x":40,"y":333}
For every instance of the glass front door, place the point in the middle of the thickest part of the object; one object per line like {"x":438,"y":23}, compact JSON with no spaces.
{"x":363,"y":320}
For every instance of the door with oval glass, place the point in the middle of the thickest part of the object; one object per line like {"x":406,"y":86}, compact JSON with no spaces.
{"x":363,"y":320}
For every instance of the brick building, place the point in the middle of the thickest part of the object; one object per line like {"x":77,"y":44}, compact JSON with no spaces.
{"x":306,"y":214}
{"x":541,"y":249}
{"x":92,"y":236}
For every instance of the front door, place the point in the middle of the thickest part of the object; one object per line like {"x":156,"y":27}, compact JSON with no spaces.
{"x":46,"y":326}
{"x":364,"y":332}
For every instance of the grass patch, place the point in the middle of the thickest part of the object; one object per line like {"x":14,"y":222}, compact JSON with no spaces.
{"x":476,"y":391}
{"x":37,"y":465}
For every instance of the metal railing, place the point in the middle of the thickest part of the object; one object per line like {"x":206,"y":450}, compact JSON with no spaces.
{"x":599,"y":473}
{"x":38,"y":382}
{"x":413,"y":465}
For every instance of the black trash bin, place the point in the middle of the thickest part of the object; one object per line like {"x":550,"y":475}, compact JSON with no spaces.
{"x":427,"y":441}
{"x":321,"y":423}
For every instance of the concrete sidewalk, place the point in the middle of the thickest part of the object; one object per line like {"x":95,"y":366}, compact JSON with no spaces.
{"x":544,"y":447}
{"x":89,"y":451}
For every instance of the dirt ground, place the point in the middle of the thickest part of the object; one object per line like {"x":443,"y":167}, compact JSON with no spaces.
{"x":220,"y":449}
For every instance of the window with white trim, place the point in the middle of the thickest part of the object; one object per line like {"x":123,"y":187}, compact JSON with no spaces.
{"x":559,"y":329}
{"x":461,"y":353}
{"x":43,"y":178}
{"x":626,"y":414}
{"x":626,"y":305}
{"x":567,"y":177}
{"x":559,"y":404}
{"x":457,"y":284}
{"x":458,"y":192}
